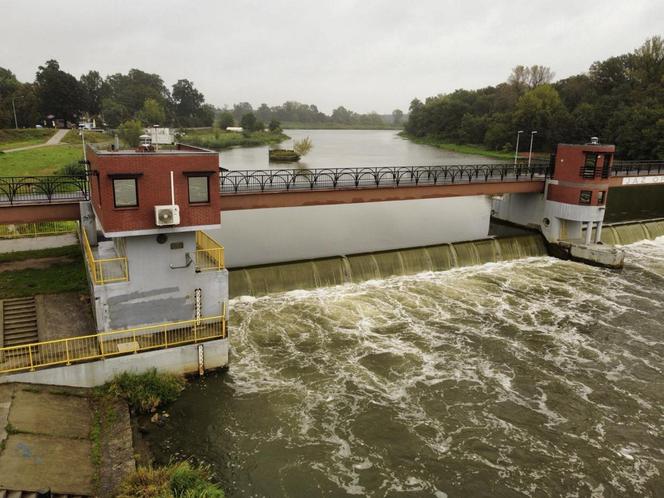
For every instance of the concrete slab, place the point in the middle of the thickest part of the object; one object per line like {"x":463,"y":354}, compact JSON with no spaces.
{"x":50,"y":414}
{"x":6,"y":395}
{"x":30,"y":462}
{"x":68,"y":314}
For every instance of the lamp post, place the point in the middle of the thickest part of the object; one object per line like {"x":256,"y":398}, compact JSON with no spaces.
{"x":14,"y":108}
{"x":516,"y":151}
{"x":530,"y":153}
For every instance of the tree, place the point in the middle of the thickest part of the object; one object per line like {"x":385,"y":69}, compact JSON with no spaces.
{"x":187,"y":102}
{"x":59,"y":93}
{"x":133,"y":89}
{"x":241,"y":109}
{"x":113,"y":112}
{"x":152,"y":113}
{"x":248,"y":122}
{"x":225,"y":119}
{"x":397,"y":116}
{"x":130,"y":132}
{"x":91,"y":87}
{"x":274,"y":126}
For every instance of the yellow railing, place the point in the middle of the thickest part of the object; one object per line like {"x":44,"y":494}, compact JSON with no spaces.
{"x":19,"y":230}
{"x":104,"y":271}
{"x":29,"y":357}
{"x":209,"y":254}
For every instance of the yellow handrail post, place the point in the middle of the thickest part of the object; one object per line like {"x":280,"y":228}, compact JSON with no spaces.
{"x":134,"y":336}
{"x":165,"y":337}
{"x":101,"y":349}
{"x":32,"y":365}
{"x":67,"y":351}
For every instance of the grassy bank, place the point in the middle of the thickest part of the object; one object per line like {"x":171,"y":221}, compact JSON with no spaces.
{"x":295,"y":125}
{"x":12,"y":139}
{"x":67,"y":275}
{"x":218,"y":139}
{"x":41,"y":161}
{"x":476,"y":150}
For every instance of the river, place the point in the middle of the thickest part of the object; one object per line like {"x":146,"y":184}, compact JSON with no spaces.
{"x":536,"y":377}
{"x":349,"y":149}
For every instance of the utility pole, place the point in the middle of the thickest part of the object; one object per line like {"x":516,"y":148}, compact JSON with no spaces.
{"x":530,"y":153}
{"x":516,"y":151}
{"x":15,"y":120}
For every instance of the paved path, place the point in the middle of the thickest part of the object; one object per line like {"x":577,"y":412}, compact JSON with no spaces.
{"x":54,"y":140}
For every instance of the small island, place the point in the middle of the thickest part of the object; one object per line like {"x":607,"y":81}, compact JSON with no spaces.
{"x":300,"y":148}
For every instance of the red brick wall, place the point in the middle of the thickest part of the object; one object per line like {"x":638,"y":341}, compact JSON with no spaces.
{"x":154,"y":188}
{"x":570,"y":160}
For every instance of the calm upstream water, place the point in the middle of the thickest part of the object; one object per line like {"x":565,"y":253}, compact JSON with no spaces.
{"x":530,"y":378}
{"x":348,"y":149}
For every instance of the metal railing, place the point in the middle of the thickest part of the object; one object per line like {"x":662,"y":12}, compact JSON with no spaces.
{"x":209,"y":254}
{"x":21,"y":230}
{"x":43,"y":189}
{"x":237,"y":182}
{"x":637,"y":168}
{"x":29,"y":357}
{"x":107,"y":270}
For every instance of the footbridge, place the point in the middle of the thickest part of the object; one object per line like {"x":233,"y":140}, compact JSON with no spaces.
{"x":32,"y":199}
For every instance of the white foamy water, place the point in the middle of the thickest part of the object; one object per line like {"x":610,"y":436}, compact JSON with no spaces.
{"x":536,"y":377}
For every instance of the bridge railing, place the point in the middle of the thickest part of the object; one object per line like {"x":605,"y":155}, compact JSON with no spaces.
{"x":16,"y":190}
{"x":247,"y":181}
{"x":637,"y":168}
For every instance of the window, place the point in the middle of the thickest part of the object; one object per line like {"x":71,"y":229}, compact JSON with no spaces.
{"x":586,"y":197}
{"x":199,"y":190}
{"x":600,"y":197}
{"x":588,"y":170}
{"x":606,"y":168}
{"x":125,"y":192}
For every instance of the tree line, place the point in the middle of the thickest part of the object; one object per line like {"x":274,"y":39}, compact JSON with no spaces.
{"x":620,"y":100}
{"x":118,"y":98}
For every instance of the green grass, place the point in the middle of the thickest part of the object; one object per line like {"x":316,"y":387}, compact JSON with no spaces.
{"x":144,"y":392}
{"x":64,"y":277}
{"x":41,"y":161}
{"x":296,"y":125}
{"x":218,"y":139}
{"x":12,"y":139}
{"x":177,"y":480}
{"x":73,"y":251}
{"x":476,"y":150}
{"x":91,"y":137}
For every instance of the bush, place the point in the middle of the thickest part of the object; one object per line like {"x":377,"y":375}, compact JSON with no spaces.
{"x":130,"y":132}
{"x":147,"y":391}
{"x":72,"y":169}
{"x":302,"y":147}
{"x":180,"y":480}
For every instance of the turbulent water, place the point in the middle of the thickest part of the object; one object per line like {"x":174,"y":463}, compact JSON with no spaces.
{"x":529,"y":378}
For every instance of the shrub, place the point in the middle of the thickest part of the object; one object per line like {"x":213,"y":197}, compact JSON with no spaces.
{"x":179,"y":480}
{"x":130,"y":132}
{"x":72,"y":169}
{"x":302,"y":147}
{"x":147,"y":391}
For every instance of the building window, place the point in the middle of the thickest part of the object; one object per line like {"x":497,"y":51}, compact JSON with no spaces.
{"x":125,"y":192}
{"x":588,"y":170}
{"x":600,"y":197}
{"x":199,"y":189}
{"x":606,"y":168}
{"x":586,"y":197}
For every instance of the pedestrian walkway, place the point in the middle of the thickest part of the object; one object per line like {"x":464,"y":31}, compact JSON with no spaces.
{"x":54,"y":140}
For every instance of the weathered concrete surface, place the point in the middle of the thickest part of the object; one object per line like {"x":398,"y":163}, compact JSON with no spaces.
{"x":53,"y":414}
{"x":6,"y":395}
{"x":178,"y":360}
{"x":33,"y":243}
{"x":598,"y":255}
{"x":64,"y":315}
{"x":117,"y":449}
{"x":33,"y":461}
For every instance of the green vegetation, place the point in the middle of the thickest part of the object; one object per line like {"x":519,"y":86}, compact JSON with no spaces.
{"x":283,"y":155}
{"x":303,"y":147}
{"x":73,"y":137}
{"x":477,"y":150}
{"x":144,"y":392}
{"x":12,"y":139}
{"x":620,"y":100}
{"x":299,"y":125}
{"x":41,"y":161}
{"x":61,"y":277}
{"x":130,"y":132}
{"x":70,"y":251}
{"x":220,"y":139}
{"x":179,"y":480}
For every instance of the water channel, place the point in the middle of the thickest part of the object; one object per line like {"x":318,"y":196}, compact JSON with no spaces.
{"x":531,"y":377}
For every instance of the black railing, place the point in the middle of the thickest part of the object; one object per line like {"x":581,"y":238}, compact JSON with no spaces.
{"x":637,"y":168}
{"x":16,"y":190}
{"x":236,"y":182}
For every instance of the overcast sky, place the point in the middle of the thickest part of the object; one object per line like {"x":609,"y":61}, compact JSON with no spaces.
{"x":364,"y":54}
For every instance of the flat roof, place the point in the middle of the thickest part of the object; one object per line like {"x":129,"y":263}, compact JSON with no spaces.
{"x":190,"y":150}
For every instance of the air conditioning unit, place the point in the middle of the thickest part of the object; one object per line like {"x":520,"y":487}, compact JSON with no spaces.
{"x":167,"y":215}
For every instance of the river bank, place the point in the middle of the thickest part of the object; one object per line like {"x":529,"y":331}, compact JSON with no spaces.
{"x":216,"y":139}
{"x":459,"y":148}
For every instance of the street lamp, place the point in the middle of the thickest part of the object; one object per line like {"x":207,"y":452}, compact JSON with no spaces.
{"x":516,"y":151}
{"x":14,"y":108}
{"x":530,"y":153}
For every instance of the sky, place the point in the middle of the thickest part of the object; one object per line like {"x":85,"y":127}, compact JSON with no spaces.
{"x":367,"y":55}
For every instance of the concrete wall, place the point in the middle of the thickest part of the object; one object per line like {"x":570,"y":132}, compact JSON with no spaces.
{"x":261,"y":236}
{"x":158,"y":291}
{"x":180,"y":360}
{"x":522,"y":209}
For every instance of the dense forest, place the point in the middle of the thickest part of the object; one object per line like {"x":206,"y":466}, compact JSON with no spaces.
{"x":620,"y":100}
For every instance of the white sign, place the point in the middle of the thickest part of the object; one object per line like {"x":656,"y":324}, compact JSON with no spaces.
{"x":639,"y":180}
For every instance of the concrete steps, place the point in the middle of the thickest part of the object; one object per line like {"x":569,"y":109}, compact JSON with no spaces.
{"x":19,"y":322}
